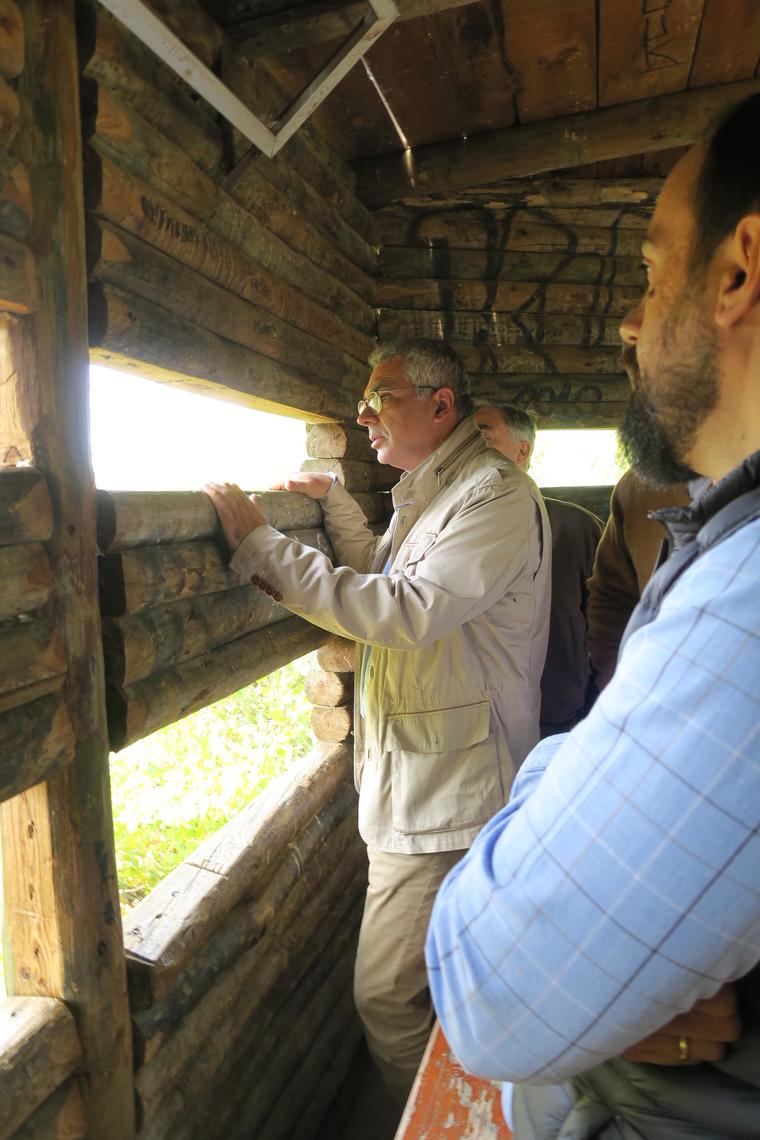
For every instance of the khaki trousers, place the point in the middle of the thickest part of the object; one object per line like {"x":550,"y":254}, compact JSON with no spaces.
{"x":390,"y":980}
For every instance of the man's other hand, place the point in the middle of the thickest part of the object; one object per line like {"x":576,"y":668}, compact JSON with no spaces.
{"x":238,"y":514}
{"x":311,"y":483}
{"x":702,"y":1034}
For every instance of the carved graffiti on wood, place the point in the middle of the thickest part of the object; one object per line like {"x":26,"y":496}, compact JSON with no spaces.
{"x":657,"y":36}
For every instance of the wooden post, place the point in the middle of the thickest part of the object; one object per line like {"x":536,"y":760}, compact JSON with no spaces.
{"x":60,"y":877}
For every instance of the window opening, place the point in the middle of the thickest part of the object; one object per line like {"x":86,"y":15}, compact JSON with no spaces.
{"x":576,"y":458}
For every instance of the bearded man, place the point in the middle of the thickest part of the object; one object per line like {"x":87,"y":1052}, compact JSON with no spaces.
{"x":617,"y":897}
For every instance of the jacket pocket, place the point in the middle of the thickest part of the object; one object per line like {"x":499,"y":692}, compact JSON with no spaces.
{"x":413,"y":551}
{"x":445,"y":769}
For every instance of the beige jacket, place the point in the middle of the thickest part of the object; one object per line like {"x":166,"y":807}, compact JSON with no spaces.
{"x":448,"y":682}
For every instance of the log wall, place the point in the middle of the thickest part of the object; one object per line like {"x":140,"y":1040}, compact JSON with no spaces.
{"x":248,"y":278}
{"x":528,"y":282}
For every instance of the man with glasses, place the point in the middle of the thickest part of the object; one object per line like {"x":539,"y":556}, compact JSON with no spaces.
{"x":451,"y":607}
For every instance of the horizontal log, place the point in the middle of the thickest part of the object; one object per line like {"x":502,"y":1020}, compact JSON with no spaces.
{"x":167,"y":929}
{"x":398,"y":262}
{"x":61,"y":1117}
{"x":131,"y":203}
{"x":595,"y":499}
{"x":540,"y":359}
{"x":30,"y":652}
{"x":338,"y":655}
{"x":579,"y":415}
{"x":36,"y":741}
{"x":446,"y":296}
{"x":147,"y":576}
{"x":163,"y":698}
{"x":143,"y":518}
{"x":40,"y":1049}
{"x":332,"y":725}
{"x":338,"y":441}
{"x":610,"y":233}
{"x":26,"y":577}
{"x":377,"y":506}
{"x":129,"y":263}
{"x":355,"y":474}
{"x":500,"y":328}
{"x":657,"y":123}
{"x":329,"y":688}
{"x":548,"y":193}
{"x":199,"y":31}
{"x":25,"y":511}
{"x":328,"y":839}
{"x":15,"y":198}
{"x":130,"y":333}
{"x":18,"y":277}
{"x":11,"y":39}
{"x":339,"y":1056}
{"x":547,"y":391}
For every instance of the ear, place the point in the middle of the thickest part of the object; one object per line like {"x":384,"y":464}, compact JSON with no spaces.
{"x":444,"y":402}
{"x":524,"y":453}
{"x":739,"y":283}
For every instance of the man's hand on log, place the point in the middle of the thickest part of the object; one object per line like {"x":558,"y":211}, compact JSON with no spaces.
{"x":702,"y":1034}
{"x":238,"y":514}
{"x":311,"y":483}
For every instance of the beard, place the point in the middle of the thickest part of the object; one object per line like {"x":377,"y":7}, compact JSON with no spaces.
{"x":658,"y":431}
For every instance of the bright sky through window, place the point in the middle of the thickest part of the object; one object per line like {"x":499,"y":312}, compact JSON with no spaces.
{"x":148,"y":436}
{"x":576,"y":458}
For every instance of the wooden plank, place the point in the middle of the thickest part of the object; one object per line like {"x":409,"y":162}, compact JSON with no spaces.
{"x":163,"y":698}
{"x":337,"y":441}
{"x":15,"y":198}
{"x":135,"y":266}
{"x":496,"y":265}
{"x":571,"y":140}
{"x":646,"y":49}
{"x":68,"y":944}
{"x":36,"y":741}
{"x":561,"y":402}
{"x":140,"y":644}
{"x":552,"y":48}
{"x":61,"y":1117}
{"x":18,"y":277}
{"x":133,"y":205}
{"x":193,"y":25}
{"x":26,"y":577}
{"x":167,"y":929}
{"x":722,"y":55}
{"x":10,"y":113}
{"x":131,"y":334}
{"x":549,"y":193}
{"x":145,"y":576}
{"x":355,"y":474}
{"x":595,"y":230}
{"x":11,"y":39}
{"x":31,"y":651}
{"x":490,"y":328}
{"x":40,"y":1049}
{"x":539,"y":359}
{"x":507,"y":297}
{"x":145,"y":518}
{"x":25,"y":511}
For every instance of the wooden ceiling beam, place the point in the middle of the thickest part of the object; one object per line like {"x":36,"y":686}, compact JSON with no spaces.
{"x":554,"y":144}
{"x":318,"y":22}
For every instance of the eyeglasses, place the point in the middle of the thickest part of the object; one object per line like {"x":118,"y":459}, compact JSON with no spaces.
{"x":375,"y":399}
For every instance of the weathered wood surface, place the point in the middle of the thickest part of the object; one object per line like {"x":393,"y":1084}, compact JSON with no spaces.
{"x":130,"y":333}
{"x":721,"y":55}
{"x":143,"y":518}
{"x":167,"y":929}
{"x":507,"y":296}
{"x":599,"y":360}
{"x":61,"y":898}
{"x":377,"y":506}
{"x":137,"y":645}
{"x":18,"y":277}
{"x":31,"y":651}
{"x":147,"y":576}
{"x":137,"y":710}
{"x":193,"y":25}
{"x":25,"y":511}
{"x":340,"y":1054}
{"x":61,"y":1117}
{"x":497,"y":265}
{"x":11,"y":39}
{"x":338,"y":441}
{"x":131,"y":264}
{"x":646,"y":51}
{"x":329,"y":688}
{"x":134,"y":205}
{"x":548,"y":193}
{"x":26,"y":579}
{"x":36,"y":741}
{"x":40,"y":1049}
{"x":15,"y":198}
{"x":501,"y":328}
{"x":658,"y":123}
{"x":552,"y":49}
{"x":338,"y":655}
{"x":332,"y":725}
{"x":595,"y":499}
{"x":356,"y":474}
{"x":566,"y":401}
{"x":10,"y":113}
{"x":300,"y":872}
{"x":610,"y":232}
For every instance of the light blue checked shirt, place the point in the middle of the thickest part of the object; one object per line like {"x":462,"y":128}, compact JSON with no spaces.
{"x":622,"y":881}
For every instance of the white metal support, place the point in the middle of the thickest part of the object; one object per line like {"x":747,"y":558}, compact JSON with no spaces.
{"x":168,"y":47}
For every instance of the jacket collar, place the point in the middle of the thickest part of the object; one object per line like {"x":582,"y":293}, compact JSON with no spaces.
{"x":427,"y":478}
{"x":685,"y":523}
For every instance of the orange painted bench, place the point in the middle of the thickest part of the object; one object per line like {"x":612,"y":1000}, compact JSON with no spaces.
{"x":446,"y":1103}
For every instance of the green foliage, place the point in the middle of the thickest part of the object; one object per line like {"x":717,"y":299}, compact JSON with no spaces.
{"x":182,"y":783}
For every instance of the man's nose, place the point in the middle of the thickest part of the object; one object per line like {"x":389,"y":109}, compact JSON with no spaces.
{"x":630,"y":326}
{"x":366,"y":417}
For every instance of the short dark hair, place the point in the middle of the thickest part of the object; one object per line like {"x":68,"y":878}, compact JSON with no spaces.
{"x":728,"y":184}
{"x":431,"y":363}
{"x":522,"y":422}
